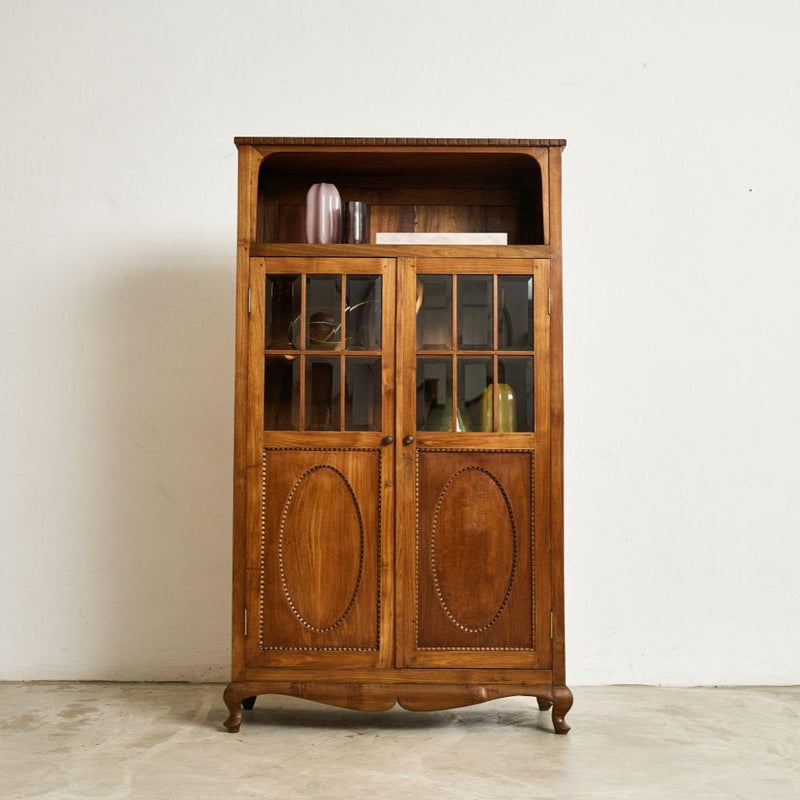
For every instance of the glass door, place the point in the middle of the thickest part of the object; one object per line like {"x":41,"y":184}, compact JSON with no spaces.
{"x":320,"y":426}
{"x":475,"y":421}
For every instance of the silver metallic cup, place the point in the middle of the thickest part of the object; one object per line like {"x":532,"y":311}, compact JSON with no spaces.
{"x":355,"y":219}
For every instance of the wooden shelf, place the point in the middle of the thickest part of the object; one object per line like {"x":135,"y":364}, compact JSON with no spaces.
{"x":267,"y":250}
{"x":416,"y":189}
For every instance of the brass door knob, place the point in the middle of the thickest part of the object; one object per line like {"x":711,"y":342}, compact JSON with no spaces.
{"x":387,"y":440}
{"x":408,"y":439}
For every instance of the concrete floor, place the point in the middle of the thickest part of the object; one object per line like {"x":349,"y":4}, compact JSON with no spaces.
{"x":102,"y":740}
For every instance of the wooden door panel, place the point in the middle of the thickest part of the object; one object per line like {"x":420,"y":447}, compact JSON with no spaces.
{"x":474,"y":543}
{"x":318,"y":549}
{"x":316,"y":576}
{"x":473,"y":563}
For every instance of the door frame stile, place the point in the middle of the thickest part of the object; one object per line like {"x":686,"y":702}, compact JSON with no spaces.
{"x":388,"y":546}
{"x":542,"y":424}
{"x":249,"y":161}
{"x":254,"y":446}
{"x":404,"y":463}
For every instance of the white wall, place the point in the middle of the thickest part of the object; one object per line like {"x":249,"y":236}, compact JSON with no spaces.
{"x":680,"y":226}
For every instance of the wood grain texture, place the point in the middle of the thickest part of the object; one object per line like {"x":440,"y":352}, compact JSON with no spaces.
{"x":319,"y":553}
{"x":474,"y":551}
{"x":402,"y":675}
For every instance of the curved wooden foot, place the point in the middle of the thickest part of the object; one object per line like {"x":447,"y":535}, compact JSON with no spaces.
{"x":382,"y":696}
{"x":233,"y":700}
{"x":562,"y":703}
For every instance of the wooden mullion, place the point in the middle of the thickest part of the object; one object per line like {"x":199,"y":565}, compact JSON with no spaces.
{"x":303,"y":279}
{"x":323,"y":353}
{"x":302,"y":415}
{"x":495,"y":377}
{"x":341,"y":392}
{"x":454,"y":363}
{"x":343,"y":312}
{"x":453,"y":316}
{"x":342,"y":342}
{"x":447,"y":352}
{"x":454,"y":392}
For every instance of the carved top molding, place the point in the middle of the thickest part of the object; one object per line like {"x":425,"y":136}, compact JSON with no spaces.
{"x":343,"y":141}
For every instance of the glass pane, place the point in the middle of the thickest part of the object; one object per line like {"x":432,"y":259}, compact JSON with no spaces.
{"x":515,"y":312}
{"x":515,"y":393}
{"x":323,"y":312}
{"x":475,"y":312}
{"x":281,"y":393}
{"x":474,"y":386}
{"x":322,"y":393}
{"x":362,"y":393}
{"x":283,"y":312}
{"x":435,"y":394}
{"x":434,"y":312}
{"x":363,"y":312}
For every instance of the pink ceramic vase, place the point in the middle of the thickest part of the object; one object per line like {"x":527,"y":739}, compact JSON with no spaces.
{"x":323,"y":214}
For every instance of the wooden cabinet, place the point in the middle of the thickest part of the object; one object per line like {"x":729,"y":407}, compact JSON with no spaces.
{"x":398,"y":431}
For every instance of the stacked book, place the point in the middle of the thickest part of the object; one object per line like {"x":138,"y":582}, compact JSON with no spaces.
{"x":387,"y":237}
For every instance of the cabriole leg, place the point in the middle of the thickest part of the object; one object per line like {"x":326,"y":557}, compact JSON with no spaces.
{"x":562,"y":702}
{"x":544,"y":703}
{"x":233,"y":700}
{"x":248,"y":703}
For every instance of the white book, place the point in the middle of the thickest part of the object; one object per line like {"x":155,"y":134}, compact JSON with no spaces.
{"x":389,"y":237}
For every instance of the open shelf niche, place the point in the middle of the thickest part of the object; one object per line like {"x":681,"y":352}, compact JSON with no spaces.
{"x":409,"y":192}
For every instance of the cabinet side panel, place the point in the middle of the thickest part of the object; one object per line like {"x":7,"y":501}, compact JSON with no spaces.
{"x":557,"y":419}
{"x":248,"y":159}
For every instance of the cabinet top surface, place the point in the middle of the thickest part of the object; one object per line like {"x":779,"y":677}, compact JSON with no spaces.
{"x":392,"y":142}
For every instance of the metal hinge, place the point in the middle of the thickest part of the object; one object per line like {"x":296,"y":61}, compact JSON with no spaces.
{"x":245,"y":622}
{"x":551,"y":624}
{"x":549,"y":305}
{"x":249,"y":299}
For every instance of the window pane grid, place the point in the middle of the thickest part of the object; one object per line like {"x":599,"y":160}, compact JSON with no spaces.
{"x":308,"y":327}
{"x":489,"y":322}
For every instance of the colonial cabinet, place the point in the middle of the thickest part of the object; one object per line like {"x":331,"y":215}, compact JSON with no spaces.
{"x":398,"y":525}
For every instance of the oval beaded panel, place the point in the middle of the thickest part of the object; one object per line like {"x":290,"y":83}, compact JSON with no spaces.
{"x":474,"y":556}
{"x":321,"y":548}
